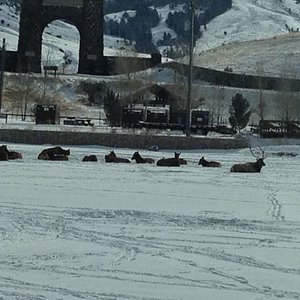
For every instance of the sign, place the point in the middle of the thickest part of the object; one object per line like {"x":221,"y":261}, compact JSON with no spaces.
{"x":66,"y":3}
{"x":50,"y":68}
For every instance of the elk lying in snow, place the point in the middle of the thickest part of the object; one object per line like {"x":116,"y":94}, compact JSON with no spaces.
{"x":5,"y":154}
{"x":91,"y":157}
{"x":141,"y":160}
{"x":250,"y":167}
{"x":112,"y":158}
{"x":210,"y":164}
{"x":54,"y":153}
{"x":169,"y":162}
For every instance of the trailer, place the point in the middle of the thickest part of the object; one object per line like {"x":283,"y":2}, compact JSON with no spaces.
{"x":161,"y":117}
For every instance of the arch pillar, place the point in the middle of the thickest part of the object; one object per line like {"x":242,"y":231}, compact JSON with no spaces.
{"x":91,"y":59}
{"x":86,"y":15}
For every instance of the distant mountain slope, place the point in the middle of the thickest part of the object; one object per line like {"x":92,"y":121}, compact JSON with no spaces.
{"x":275,"y":57}
{"x":250,"y":20}
{"x":253,"y":31}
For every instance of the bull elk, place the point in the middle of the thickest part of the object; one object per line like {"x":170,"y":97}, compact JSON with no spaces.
{"x":250,"y":167}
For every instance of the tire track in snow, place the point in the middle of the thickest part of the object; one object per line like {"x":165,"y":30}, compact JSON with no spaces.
{"x":120,"y":231}
{"x":275,"y":205}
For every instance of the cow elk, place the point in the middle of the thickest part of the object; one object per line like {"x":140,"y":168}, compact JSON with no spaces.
{"x":54,"y":153}
{"x":112,"y":158}
{"x":142,"y":160}
{"x":169,"y":162}
{"x":209,"y":164}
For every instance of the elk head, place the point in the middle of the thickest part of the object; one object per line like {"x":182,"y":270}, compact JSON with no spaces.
{"x":260,"y":157}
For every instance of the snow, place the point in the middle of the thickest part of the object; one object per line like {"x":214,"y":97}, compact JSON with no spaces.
{"x":110,"y":231}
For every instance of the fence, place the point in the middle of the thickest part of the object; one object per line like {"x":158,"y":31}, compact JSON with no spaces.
{"x":279,"y":129}
{"x":31,"y":118}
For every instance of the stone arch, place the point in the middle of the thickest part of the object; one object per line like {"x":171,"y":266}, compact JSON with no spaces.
{"x":85,"y":15}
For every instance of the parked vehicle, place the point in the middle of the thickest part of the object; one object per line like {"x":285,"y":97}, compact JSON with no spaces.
{"x":79,"y":122}
{"x":161,"y":117}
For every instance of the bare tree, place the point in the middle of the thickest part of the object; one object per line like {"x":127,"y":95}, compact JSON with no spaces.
{"x":47,"y":87}
{"x":287,"y":98}
{"x":20,"y":91}
{"x":260,"y":72}
{"x":220,"y":104}
{"x":216,"y":105}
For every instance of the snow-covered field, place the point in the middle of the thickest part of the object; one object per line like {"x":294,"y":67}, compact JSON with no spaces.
{"x":74,"y":230}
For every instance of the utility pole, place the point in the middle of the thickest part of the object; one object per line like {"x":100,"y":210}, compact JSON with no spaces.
{"x":2,"y":68}
{"x":190,"y":74}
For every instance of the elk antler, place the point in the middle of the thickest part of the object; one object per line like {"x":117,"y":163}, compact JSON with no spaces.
{"x":257,"y":156}
{"x":253,"y":154}
{"x":263,"y":153}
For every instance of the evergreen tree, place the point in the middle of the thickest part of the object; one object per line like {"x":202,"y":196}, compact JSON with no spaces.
{"x":239,"y":112}
{"x":112,"y":108}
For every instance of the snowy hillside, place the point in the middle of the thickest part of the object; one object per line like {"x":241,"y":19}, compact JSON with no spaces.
{"x":250,"y":20}
{"x":263,"y":27}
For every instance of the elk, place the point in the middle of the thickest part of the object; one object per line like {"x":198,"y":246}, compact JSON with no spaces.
{"x":11,"y":154}
{"x":55,"y":153}
{"x":169,"y":162}
{"x":91,"y":157}
{"x":112,"y":158}
{"x":210,"y":164}
{"x":141,"y":160}
{"x":250,"y":167}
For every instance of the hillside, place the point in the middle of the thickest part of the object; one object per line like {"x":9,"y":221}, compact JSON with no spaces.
{"x":271,"y":57}
{"x":253,"y":31}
